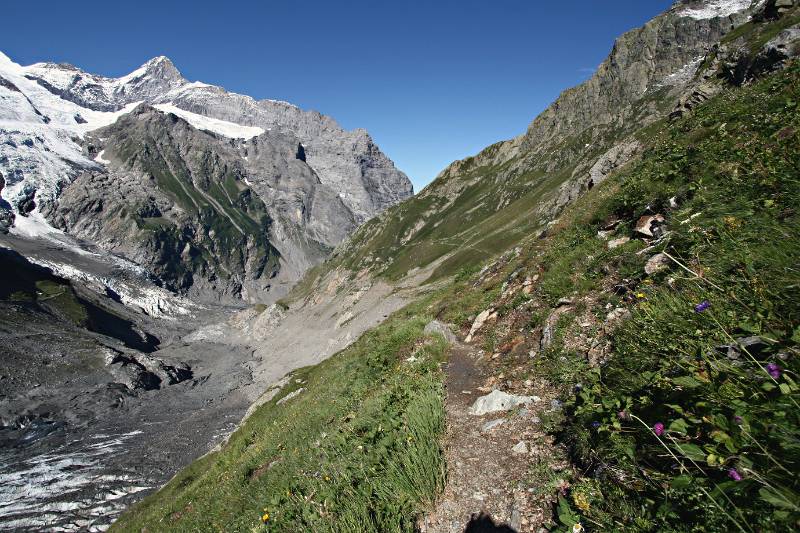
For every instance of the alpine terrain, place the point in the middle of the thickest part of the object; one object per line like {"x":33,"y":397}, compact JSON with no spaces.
{"x":223,"y":314}
{"x":133,"y":211}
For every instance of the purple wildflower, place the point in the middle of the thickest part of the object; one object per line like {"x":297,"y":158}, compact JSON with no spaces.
{"x":774,"y":370}
{"x":738,"y":419}
{"x":658,"y":428}
{"x":595,"y":424}
{"x":702,"y":306}
{"x":622,"y":415}
{"x":734,"y":475}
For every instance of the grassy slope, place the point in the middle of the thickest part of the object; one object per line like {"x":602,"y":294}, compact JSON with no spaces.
{"x":356,"y":450}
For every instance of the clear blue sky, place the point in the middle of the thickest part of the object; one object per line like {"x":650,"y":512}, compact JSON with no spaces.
{"x":432,"y":81}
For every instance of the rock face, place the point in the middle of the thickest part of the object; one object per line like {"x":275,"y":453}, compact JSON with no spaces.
{"x":202,"y":211}
{"x":220,"y":196}
{"x":6,"y":215}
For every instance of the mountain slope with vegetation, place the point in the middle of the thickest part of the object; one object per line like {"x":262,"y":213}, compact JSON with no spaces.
{"x":659,"y":308}
{"x":482,"y":205}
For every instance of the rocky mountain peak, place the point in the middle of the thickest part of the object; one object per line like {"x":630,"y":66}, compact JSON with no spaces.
{"x":159,"y":68}
{"x":153,"y":79}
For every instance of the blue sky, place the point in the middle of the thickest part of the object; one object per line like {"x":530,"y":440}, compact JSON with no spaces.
{"x":432,"y":81}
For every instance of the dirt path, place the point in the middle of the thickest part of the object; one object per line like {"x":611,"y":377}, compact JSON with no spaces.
{"x":491,"y":485}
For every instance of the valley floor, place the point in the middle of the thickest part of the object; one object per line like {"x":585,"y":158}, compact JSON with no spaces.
{"x":87,"y":448}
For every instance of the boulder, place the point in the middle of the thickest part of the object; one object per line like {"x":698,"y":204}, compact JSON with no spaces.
{"x":616,"y":243}
{"x":434,"y":327}
{"x":650,"y":225}
{"x":657,"y":263}
{"x":142,"y":371}
{"x":479,"y":321}
{"x":499,"y":401}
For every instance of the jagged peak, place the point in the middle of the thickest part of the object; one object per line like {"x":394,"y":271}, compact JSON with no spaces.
{"x":158,"y":67}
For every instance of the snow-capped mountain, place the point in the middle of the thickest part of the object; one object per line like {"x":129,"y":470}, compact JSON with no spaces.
{"x":54,"y":103}
{"x":312,"y":180}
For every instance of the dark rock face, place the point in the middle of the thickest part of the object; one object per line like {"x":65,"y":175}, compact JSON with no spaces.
{"x":6,"y":214}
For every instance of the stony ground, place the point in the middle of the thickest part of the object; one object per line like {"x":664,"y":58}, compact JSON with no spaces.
{"x":490,"y":486}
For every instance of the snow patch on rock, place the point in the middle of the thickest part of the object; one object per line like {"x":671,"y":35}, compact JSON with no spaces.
{"x":683,"y":75}
{"x":223,"y":127}
{"x":715,"y":8}
{"x":100,"y":159}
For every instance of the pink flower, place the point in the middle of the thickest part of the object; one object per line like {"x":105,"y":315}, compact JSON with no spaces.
{"x":734,"y":475}
{"x":658,"y":428}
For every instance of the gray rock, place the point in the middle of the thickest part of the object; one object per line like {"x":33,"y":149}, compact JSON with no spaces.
{"x":516,"y":519}
{"x":616,"y":243}
{"x":434,"y":327}
{"x":618,"y":313}
{"x":499,"y":401}
{"x":520,"y":448}
{"x":491,"y":424}
{"x":291,"y":395}
{"x":479,"y":321}
{"x":610,"y":161}
{"x":773,"y":55}
{"x":753,"y":345}
{"x":655,"y":264}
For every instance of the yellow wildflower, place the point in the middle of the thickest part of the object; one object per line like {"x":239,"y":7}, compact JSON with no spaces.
{"x":581,"y":501}
{"x":265,"y":517}
{"x":640,"y":295}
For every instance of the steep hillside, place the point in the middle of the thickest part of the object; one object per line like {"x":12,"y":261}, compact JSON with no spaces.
{"x":484,"y":204}
{"x":629,"y":365}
